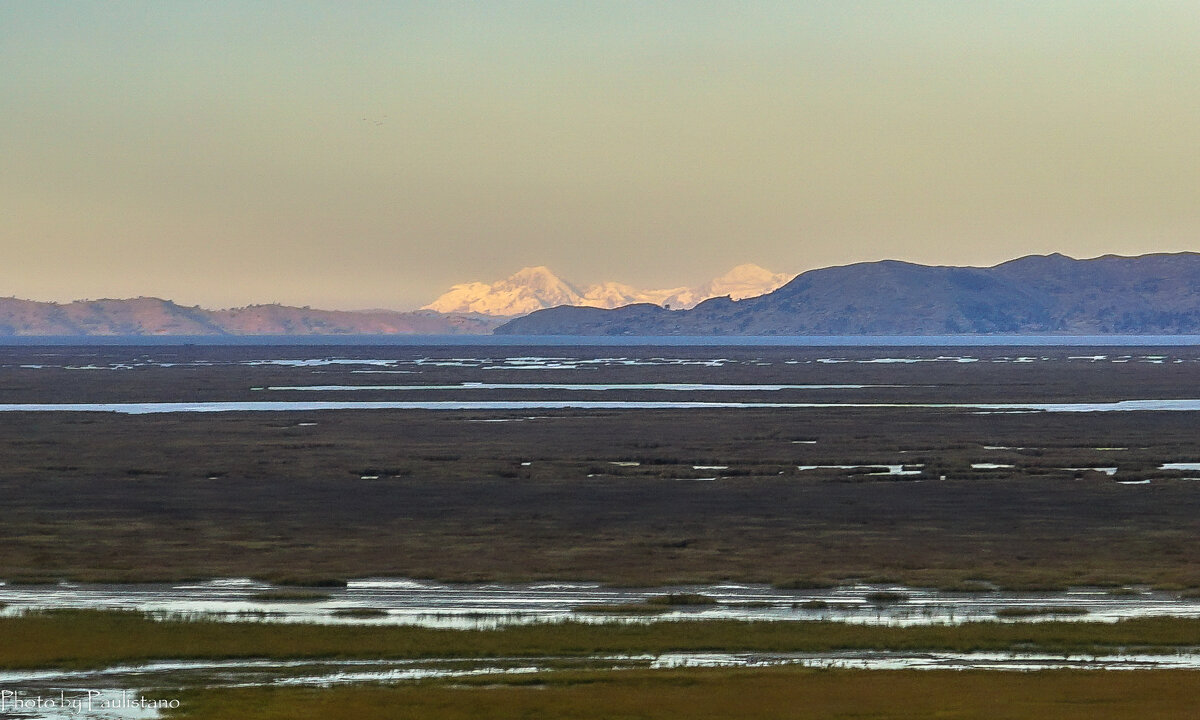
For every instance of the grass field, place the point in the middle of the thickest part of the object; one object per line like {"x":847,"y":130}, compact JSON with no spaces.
{"x":102,"y":638}
{"x":771,"y":694}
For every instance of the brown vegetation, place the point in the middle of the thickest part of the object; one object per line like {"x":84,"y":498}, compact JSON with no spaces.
{"x":783,"y":693}
{"x":283,"y":495}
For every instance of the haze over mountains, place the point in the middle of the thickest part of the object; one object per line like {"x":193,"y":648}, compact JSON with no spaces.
{"x":536,"y":288}
{"x":471,"y":308}
{"x":1148,"y":294}
{"x":152,"y":316}
{"x":1039,"y":294}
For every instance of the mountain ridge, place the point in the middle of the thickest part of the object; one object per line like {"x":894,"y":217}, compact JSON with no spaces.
{"x":1047,"y":294}
{"x":1036,"y":294}
{"x":536,"y":288}
{"x":151,"y":316}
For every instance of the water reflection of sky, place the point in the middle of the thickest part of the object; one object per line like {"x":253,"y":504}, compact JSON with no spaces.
{"x":143,"y":408}
{"x":429,"y":604}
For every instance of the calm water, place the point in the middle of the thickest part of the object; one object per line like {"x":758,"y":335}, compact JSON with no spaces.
{"x":469,"y":606}
{"x":144,"y":408}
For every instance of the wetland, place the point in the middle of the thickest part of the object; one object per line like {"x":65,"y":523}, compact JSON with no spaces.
{"x":787,"y":520}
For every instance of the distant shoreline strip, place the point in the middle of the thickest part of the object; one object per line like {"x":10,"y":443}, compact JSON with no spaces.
{"x":145,"y":408}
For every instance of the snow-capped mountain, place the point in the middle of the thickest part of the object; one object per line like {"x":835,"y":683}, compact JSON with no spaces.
{"x":1036,"y":295}
{"x":535,"y":288}
{"x":529,"y":289}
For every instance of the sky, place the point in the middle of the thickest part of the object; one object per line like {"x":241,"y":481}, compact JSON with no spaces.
{"x":370,"y":154}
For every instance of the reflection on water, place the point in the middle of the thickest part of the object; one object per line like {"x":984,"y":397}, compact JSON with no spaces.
{"x":116,"y":693}
{"x":1180,"y":466}
{"x":143,"y":408}
{"x":386,"y":601}
{"x":414,"y":602}
{"x":594,"y":358}
{"x":36,"y":702}
{"x":879,"y":469}
{"x":882,"y":660}
{"x":598,"y":387}
{"x":325,"y":673}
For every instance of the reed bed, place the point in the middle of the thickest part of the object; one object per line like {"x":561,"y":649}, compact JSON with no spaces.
{"x":768,"y":694}
{"x":101,"y":638}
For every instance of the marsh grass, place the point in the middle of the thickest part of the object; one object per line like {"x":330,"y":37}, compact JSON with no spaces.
{"x":723,"y":694}
{"x":815,"y":583}
{"x":1022,"y":612}
{"x":968,"y":586}
{"x":653,"y":605}
{"x":360,"y":612}
{"x":290,"y":502}
{"x":621,"y":609}
{"x":680,"y":599}
{"x":290,"y":596}
{"x":84,"y":638}
{"x":306,"y":581}
{"x":886,"y":597}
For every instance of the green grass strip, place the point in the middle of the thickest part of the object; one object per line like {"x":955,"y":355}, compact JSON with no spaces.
{"x":98,"y":638}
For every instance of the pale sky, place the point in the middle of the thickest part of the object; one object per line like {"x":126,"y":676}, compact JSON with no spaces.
{"x":370,"y":154}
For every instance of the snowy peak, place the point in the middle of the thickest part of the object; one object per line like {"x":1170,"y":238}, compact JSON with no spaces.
{"x":539,"y":278}
{"x":745,"y":281}
{"x":611,"y":294}
{"x":528,"y":289}
{"x":537,"y":288}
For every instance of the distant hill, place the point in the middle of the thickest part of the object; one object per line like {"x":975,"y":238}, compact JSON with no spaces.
{"x":1148,"y":294}
{"x":536,"y":288}
{"x":152,"y":316}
